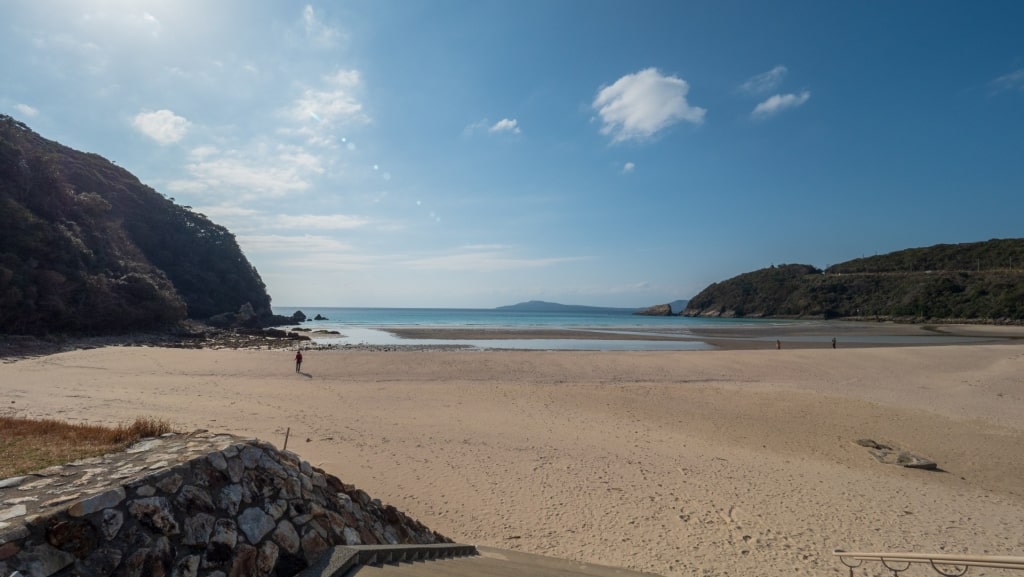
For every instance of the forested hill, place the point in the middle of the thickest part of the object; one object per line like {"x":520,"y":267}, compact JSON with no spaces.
{"x":86,"y":247}
{"x":982,"y":281}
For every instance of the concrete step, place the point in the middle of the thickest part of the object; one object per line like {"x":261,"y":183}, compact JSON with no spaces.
{"x":490,"y":563}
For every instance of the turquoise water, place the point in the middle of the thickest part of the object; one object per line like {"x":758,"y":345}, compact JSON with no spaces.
{"x":369,"y":326}
{"x":494,"y":318}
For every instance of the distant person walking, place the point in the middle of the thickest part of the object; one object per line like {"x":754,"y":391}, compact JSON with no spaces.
{"x":778,"y":344}
{"x":833,"y":342}
{"x":298,"y":361}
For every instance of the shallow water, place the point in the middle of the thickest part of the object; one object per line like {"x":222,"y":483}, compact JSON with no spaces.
{"x":369,"y":326}
{"x":367,"y":336}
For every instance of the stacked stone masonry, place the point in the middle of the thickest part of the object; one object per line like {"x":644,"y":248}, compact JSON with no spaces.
{"x":191,"y":505}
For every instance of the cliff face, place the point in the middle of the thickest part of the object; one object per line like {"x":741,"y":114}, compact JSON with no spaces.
{"x":86,"y":247}
{"x":973,"y":282}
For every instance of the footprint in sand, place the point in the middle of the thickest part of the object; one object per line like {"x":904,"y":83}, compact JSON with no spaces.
{"x":730,"y":515}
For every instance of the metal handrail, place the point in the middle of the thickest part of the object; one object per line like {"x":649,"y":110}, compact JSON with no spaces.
{"x":960,"y":562}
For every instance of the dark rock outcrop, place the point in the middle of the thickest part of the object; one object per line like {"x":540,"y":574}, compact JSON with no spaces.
{"x":656,"y":311}
{"x":889,"y":455}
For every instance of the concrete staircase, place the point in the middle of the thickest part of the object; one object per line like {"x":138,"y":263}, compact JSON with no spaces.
{"x":450,"y":561}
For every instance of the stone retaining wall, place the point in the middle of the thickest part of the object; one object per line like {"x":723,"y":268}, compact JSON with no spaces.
{"x":185,"y":506}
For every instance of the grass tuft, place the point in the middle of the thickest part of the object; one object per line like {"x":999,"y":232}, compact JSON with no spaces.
{"x":28,"y":445}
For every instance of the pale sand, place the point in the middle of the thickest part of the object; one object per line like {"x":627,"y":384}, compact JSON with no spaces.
{"x":680,"y":463}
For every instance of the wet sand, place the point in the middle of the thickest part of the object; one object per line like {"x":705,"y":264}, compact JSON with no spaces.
{"x":802,"y":335}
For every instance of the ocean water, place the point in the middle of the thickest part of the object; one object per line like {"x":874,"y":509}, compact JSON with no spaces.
{"x":369,"y":326}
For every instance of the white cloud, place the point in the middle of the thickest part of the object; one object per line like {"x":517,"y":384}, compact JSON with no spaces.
{"x":628,"y":168}
{"x":62,"y":50}
{"x":186,"y":187}
{"x":26,"y":110}
{"x":162,"y":126}
{"x":318,"y":221}
{"x":204,"y":151}
{"x":477,"y":126}
{"x":483,"y":258}
{"x":335,"y":102}
{"x":1009,"y":82}
{"x":764,"y":82}
{"x":639,"y":105}
{"x":318,"y":109}
{"x":779,"y":102}
{"x":320,"y":34}
{"x":260,"y":172}
{"x":290,"y":244}
{"x":151,"y":23}
{"x":310,"y":255}
{"x":227,"y":211}
{"x":505,"y":125}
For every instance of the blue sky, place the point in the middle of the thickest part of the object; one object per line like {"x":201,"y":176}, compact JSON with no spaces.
{"x":475,"y":154}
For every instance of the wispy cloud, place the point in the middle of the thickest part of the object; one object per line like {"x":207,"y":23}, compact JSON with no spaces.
{"x":163,"y":126}
{"x":60,"y":50}
{"x":1009,"y":82}
{"x":318,"y":110}
{"x":26,"y":110}
{"x":248,"y":174}
{"x":150,"y":23}
{"x":227,"y":211}
{"x":628,"y":168}
{"x":779,"y":102}
{"x":483,"y":258}
{"x":290,"y":243}
{"x":258,"y":220}
{"x":637,"y":106}
{"x":311,"y":254}
{"x":505,"y":125}
{"x":478,"y":126}
{"x":318,"y":222}
{"x":293,"y":243}
{"x":319,"y":34}
{"x":765,"y":82}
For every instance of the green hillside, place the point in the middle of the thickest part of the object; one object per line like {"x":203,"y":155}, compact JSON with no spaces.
{"x":979,"y":282}
{"x":87,"y":248}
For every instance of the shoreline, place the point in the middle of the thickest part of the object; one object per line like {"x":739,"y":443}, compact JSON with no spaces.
{"x":810,"y":335}
{"x":849,"y":334}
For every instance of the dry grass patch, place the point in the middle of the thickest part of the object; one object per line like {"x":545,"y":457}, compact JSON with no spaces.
{"x":28,"y":445}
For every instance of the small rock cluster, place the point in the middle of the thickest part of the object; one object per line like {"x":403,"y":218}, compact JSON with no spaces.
{"x":188,"y":505}
{"x":889,"y":455}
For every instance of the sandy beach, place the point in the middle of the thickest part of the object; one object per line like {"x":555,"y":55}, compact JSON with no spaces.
{"x":726,"y":462}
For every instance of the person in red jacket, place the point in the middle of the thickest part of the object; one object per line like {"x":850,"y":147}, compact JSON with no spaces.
{"x":298,"y":360}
